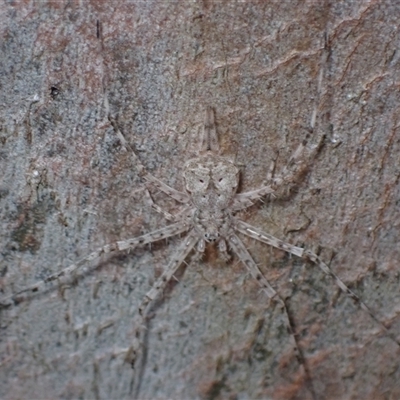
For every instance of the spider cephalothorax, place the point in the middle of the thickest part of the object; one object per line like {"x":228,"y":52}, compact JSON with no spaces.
{"x":212,"y":182}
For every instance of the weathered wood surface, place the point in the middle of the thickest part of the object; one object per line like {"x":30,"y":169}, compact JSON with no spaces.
{"x":67,"y":188}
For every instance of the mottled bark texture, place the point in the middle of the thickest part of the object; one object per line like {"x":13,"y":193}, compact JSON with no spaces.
{"x":67,"y":187}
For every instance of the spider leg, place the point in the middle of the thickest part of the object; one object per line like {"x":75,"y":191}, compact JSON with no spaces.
{"x":257,"y":234}
{"x":317,"y":260}
{"x":239,"y":248}
{"x":168,"y":216}
{"x":178,"y":258}
{"x":163,"y":233}
{"x":297,"y":164}
{"x":247,"y":199}
{"x":152,"y":181}
{"x":261,"y":236}
{"x":181,"y":253}
{"x":290,"y":173}
{"x":175,"y":194}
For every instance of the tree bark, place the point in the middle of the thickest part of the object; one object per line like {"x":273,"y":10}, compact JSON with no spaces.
{"x":68,"y":69}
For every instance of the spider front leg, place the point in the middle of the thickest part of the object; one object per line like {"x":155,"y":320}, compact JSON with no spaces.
{"x":182,"y":213}
{"x":155,"y":236}
{"x":297,"y":163}
{"x":150,"y":179}
{"x":244,"y":200}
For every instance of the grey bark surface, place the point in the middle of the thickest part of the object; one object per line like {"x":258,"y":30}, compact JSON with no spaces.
{"x":67,"y":188}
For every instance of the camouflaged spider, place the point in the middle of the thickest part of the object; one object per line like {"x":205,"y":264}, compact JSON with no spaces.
{"x":208,"y":216}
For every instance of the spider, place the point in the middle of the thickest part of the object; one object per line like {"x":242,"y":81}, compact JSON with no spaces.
{"x":210,"y":202}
